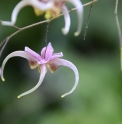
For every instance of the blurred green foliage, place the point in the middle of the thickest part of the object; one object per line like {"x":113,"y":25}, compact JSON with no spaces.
{"x":98,"y":97}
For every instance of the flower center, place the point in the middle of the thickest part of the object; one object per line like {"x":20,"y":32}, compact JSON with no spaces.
{"x":53,"y":12}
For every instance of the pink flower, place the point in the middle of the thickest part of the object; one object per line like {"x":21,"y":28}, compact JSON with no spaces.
{"x":47,"y":60}
{"x":52,"y":8}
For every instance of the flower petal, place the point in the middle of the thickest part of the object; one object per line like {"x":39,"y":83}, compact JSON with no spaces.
{"x":54,"y":64}
{"x":34,"y":54}
{"x":35,"y":3}
{"x":47,"y":52}
{"x":15,"y":12}
{"x":65,"y":30}
{"x":56,"y":55}
{"x":26,"y":55}
{"x":42,"y":75}
{"x":79,"y":6}
{"x":42,"y":5}
{"x":43,"y":52}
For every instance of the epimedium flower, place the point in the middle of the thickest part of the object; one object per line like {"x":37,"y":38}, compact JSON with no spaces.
{"x":47,"y":60}
{"x":51,"y":8}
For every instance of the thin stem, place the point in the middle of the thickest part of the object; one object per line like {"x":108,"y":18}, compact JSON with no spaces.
{"x":46,"y":37}
{"x":6,"y":41}
{"x":87,"y":23}
{"x":117,"y":23}
{"x":119,"y":31}
{"x":47,"y":30}
{"x":35,"y":24}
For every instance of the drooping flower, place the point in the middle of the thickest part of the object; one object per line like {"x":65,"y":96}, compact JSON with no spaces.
{"x":47,"y":60}
{"x":51,"y":8}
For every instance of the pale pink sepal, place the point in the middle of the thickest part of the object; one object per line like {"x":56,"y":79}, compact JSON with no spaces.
{"x":65,"y":30}
{"x":79,"y":6}
{"x":34,"y":54}
{"x":42,"y":75}
{"x":54,"y":64}
{"x":47,"y":51}
{"x":26,"y":55}
{"x":34,"y":3}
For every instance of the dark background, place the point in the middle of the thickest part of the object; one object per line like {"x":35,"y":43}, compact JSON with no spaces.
{"x":98,"y":97}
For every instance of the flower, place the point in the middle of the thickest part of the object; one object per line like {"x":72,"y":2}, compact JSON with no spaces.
{"x":47,"y":60}
{"x":52,"y":8}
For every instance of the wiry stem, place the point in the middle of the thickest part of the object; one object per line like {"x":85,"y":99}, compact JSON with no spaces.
{"x":47,"y":30}
{"x":117,"y":23}
{"x":5,"y":41}
{"x":87,"y":23}
{"x":46,"y":37}
{"x":119,"y":30}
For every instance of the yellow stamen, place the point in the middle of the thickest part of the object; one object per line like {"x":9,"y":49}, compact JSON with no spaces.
{"x":48,"y":14}
{"x":38,"y":12}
